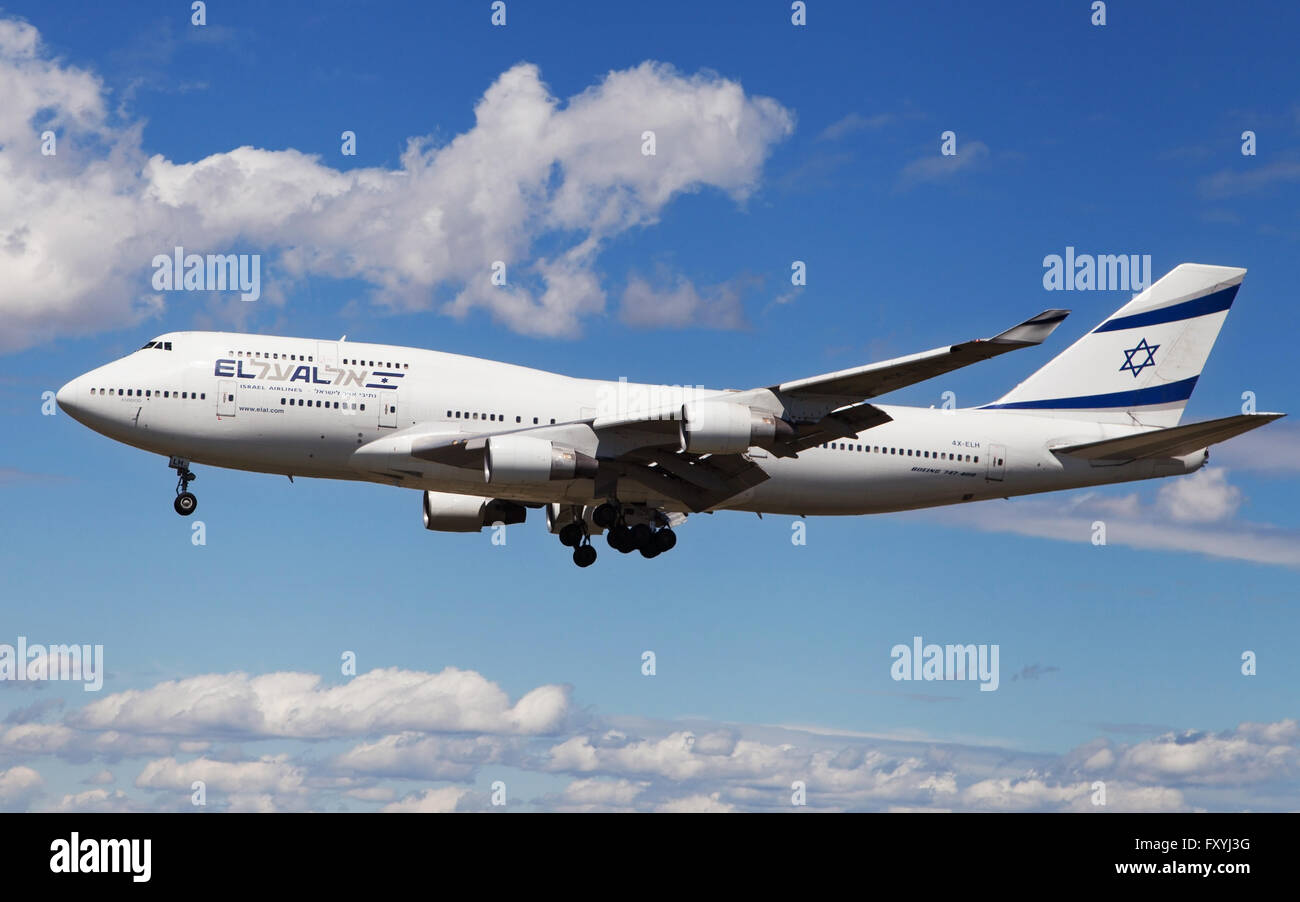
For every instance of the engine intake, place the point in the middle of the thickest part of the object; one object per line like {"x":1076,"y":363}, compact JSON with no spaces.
{"x":720,"y":427}
{"x":450,"y":512}
{"x":527,"y":459}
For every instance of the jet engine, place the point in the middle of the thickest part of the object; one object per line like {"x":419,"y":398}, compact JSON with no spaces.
{"x":720,"y":427}
{"x":528,"y":459}
{"x":449,"y":512}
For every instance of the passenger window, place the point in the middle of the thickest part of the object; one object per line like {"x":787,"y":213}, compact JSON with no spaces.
{"x":519,"y":419}
{"x":363,"y":407}
{"x":534,"y":421}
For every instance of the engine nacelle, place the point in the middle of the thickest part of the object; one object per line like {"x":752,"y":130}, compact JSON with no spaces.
{"x":528,"y":459}
{"x":449,"y":512}
{"x":720,"y":427}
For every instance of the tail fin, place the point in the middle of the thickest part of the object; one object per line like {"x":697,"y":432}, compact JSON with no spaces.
{"x":1139,"y":366}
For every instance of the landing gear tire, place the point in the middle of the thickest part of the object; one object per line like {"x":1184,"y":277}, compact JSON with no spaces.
{"x":185,"y":504}
{"x":571,"y":535}
{"x":605,"y":515}
{"x":620,"y":539}
{"x":642,"y":536}
{"x":665,"y":539}
{"x":649,"y":551}
{"x":584,"y":555}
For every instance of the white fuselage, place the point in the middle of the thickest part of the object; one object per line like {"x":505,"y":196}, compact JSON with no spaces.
{"x":303,"y":407}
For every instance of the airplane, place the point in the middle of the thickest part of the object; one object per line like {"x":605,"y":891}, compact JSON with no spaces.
{"x":487,"y":441}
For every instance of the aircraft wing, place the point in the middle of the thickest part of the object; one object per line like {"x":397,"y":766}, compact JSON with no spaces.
{"x":645,"y":445}
{"x":862,"y":382}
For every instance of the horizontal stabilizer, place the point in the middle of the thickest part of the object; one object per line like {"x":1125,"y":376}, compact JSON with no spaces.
{"x":1172,"y":442}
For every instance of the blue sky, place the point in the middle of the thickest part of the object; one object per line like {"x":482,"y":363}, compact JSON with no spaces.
{"x":1117,"y":139}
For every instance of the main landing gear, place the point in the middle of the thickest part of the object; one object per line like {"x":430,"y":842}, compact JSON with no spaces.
{"x":641,"y":536}
{"x":185,"y":502}
{"x":627,"y":529}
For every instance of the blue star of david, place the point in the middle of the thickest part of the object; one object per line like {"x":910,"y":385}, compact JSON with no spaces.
{"x":1138,"y":367}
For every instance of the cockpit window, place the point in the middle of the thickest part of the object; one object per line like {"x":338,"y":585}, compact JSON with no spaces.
{"x":158,"y":346}
{"x":149,"y":345}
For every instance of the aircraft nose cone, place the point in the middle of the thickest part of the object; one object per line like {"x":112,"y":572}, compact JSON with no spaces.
{"x":69,"y":398}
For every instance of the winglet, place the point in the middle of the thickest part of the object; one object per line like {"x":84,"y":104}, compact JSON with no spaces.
{"x":1035,"y":329}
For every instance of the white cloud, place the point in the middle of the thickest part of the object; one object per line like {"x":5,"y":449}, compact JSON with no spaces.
{"x":96,"y":800}
{"x":18,"y":784}
{"x":467,"y":725}
{"x":1203,"y":497}
{"x":298,"y":705}
{"x":718,"y":307}
{"x":698,"y":803}
{"x":1190,"y":518}
{"x":78,"y":230}
{"x":596,"y":794}
{"x":269,"y":775}
{"x":416,"y":756}
{"x":433,"y":801}
{"x":934,"y":167}
{"x":854,"y":122}
{"x":1231,"y":758}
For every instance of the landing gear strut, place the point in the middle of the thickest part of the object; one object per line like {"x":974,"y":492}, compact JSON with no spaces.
{"x":185,"y":502}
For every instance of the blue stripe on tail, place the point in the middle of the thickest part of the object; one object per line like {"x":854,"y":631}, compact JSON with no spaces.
{"x":1156,"y":394}
{"x":1211,"y":303}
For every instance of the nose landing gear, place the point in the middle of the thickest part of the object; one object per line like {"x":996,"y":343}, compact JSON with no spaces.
{"x":185,"y":502}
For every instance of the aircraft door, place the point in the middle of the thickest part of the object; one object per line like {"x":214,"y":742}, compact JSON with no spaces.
{"x":997,"y":462}
{"x":226,"y":398}
{"x":388,"y":409}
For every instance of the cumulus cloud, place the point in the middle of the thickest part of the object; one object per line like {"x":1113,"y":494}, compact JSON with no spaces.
{"x":458,"y":731}
{"x":433,"y":801}
{"x":299,"y":705}
{"x":266,"y":777}
{"x":418,"y":756}
{"x":79,"y":229}
{"x":1203,"y":497}
{"x":96,"y":801}
{"x":19,"y":783}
